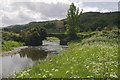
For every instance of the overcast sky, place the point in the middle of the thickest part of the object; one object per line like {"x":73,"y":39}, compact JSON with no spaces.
{"x":24,"y":11}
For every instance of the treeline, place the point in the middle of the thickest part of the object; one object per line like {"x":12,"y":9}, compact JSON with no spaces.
{"x":10,"y":40}
{"x":89,"y":21}
{"x":92,"y":21}
{"x":32,"y":36}
{"x":7,"y":36}
{"x":51,"y":26}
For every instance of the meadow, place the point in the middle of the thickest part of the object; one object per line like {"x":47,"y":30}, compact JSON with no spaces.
{"x":91,"y":57}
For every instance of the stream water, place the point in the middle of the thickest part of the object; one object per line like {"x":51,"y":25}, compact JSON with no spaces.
{"x":26,"y":57}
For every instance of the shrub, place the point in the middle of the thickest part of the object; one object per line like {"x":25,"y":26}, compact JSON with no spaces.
{"x":35,"y":36}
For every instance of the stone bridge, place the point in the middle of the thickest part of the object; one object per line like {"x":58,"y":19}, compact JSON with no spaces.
{"x":60,"y":36}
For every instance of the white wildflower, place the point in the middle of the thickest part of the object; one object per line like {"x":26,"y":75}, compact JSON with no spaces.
{"x":50,"y":74}
{"x":113,"y":75}
{"x":56,"y":70}
{"x":67,"y":72}
{"x":47,"y":71}
{"x":53,"y":69}
{"x":44,"y":76}
{"x":39,"y":74}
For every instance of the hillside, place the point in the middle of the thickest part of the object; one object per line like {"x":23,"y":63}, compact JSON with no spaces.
{"x":90,"y":21}
{"x":94,"y":20}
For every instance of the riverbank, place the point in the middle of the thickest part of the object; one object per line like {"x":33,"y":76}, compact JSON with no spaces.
{"x":94,"y":57}
{"x":9,"y":45}
{"x":27,"y":57}
{"x":13,"y":51}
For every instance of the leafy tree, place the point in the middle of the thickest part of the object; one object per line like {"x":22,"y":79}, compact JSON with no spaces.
{"x":6,"y":36}
{"x":34,"y":36}
{"x":73,"y":19}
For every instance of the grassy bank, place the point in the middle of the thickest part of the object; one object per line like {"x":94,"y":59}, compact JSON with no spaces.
{"x":52,"y":39}
{"x":9,"y":45}
{"x":94,"y":57}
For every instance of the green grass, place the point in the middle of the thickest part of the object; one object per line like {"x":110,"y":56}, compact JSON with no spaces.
{"x":52,"y":38}
{"x":9,"y":45}
{"x":94,"y":57}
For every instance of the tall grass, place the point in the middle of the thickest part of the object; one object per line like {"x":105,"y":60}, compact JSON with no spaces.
{"x":94,"y":57}
{"x":9,"y":45}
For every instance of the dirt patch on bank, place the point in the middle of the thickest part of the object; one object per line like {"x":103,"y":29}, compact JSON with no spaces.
{"x":14,"y":51}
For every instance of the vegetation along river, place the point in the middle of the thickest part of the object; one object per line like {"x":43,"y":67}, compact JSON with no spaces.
{"x":26,"y":57}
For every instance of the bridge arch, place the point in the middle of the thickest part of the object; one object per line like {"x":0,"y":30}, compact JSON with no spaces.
{"x":60,"y":36}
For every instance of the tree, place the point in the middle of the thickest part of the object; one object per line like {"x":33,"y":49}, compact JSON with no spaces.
{"x":73,"y":21}
{"x":34,"y":36}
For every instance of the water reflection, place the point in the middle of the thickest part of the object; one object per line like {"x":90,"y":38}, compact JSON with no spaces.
{"x":33,"y":53}
{"x":27,"y":57}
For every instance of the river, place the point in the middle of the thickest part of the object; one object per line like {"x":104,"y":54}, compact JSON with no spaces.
{"x":12,"y":63}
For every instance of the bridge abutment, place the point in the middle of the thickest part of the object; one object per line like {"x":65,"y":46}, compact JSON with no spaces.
{"x":63,"y":42}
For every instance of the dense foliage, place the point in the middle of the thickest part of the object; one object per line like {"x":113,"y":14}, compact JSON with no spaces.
{"x":34,"y":36}
{"x":6,"y":36}
{"x":92,"y":21}
{"x":9,"y":45}
{"x":51,"y":26}
{"x":73,"y":18}
{"x":10,"y":40}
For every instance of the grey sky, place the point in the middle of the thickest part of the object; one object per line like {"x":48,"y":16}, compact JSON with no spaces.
{"x":21,"y":12}
{"x":110,"y":6}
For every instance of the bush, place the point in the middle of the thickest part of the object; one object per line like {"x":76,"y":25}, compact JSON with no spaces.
{"x":34,"y":36}
{"x":9,"y":45}
{"x":11,"y":36}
